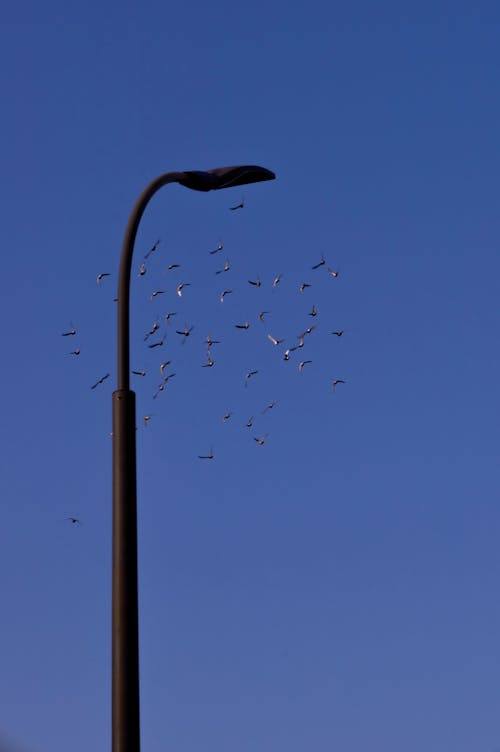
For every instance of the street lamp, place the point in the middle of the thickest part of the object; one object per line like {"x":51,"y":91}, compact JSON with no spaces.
{"x":125,"y":626}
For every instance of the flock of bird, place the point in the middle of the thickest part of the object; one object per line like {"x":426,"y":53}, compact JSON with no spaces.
{"x":156,"y":336}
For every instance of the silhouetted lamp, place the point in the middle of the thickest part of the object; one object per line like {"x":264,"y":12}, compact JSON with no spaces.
{"x":125,"y":631}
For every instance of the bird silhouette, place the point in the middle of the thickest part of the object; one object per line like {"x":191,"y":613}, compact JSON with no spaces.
{"x":261,"y":439}
{"x":249,"y":375}
{"x":337,"y":381}
{"x":101,"y":276}
{"x":238,"y":206}
{"x":332,"y":272}
{"x":269,"y":406}
{"x":321,"y":263}
{"x":223,"y":295}
{"x":74,"y":520}
{"x":227,"y":267}
{"x":304,"y":286}
{"x":181,"y":287}
{"x":302,"y":364}
{"x":100,"y":381}
{"x":209,"y":342}
{"x":71,"y":332}
{"x":159,"y":343}
{"x":157,"y":292}
{"x":309,"y":330}
{"x":275,"y":341}
{"x":153,"y":248}
{"x":246,"y":325}
{"x":219,"y":248}
{"x":207,"y":456}
{"x":185,"y":332}
{"x":153,"y":329}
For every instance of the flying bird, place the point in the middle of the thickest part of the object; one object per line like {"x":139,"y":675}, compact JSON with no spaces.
{"x":226,"y":416}
{"x":219,"y":248}
{"x":146,"y":419}
{"x":101,"y":380}
{"x":173,"y":266}
{"x":246,"y":325}
{"x":142,"y":270}
{"x":75,"y":352}
{"x":275,"y":341}
{"x":209,"y":341}
{"x":153,"y":248}
{"x":207,"y":456}
{"x":261,"y":440}
{"x":309,"y":330}
{"x":184,"y":332}
{"x":71,"y":332}
{"x":168,"y":316}
{"x":158,"y":344}
{"x":181,"y":287}
{"x":209,"y":362}
{"x":161,"y":387}
{"x":286,"y":355}
{"x":226,"y":267}
{"x":332,"y":272}
{"x":223,"y":295}
{"x":313,"y":311}
{"x":303,"y":286}
{"x":139,"y":373}
{"x":297,"y":347}
{"x":157,"y":292}
{"x":249,"y":376}
{"x":262,"y":314}
{"x":74,"y":520}
{"x":153,"y":329}
{"x":238,"y":206}
{"x":255,"y":283}
{"x":337,"y":381}
{"x":277,"y":280}
{"x":302,"y":364}
{"x":268,"y":407}
{"x":321,"y":263}
{"x":249,"y":422}
{"x":101,"y":276}
{"x":164,"y":365}
{"x":339,"y":333}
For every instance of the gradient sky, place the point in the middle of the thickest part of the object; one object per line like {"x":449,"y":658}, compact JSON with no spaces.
{"x":336,"y":588}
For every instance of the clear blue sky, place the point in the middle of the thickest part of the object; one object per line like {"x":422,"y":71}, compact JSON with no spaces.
{"x":336,"y":588}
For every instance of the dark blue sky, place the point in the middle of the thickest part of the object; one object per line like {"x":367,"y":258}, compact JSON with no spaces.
{"x":336,"y":588}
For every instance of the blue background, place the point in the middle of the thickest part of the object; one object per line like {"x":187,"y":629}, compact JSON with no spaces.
{"x":336,"y":588}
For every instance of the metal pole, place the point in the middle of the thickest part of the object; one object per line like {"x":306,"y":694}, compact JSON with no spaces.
{"x":125,"y":611}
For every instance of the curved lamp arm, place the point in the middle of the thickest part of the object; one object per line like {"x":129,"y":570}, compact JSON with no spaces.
{"x":221,"y":177}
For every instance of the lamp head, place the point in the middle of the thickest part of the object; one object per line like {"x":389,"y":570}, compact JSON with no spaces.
{"x":224,"y":177}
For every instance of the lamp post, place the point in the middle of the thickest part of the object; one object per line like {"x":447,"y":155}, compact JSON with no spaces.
{"x":125,"y":623}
